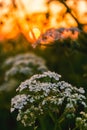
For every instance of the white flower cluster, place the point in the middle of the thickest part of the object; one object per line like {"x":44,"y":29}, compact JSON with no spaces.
{"x":81,"y":122}
{"x":26,"y":64}
{"x":21,"y":100}
{"x":21,"y":67}
{"x":46,"y":93}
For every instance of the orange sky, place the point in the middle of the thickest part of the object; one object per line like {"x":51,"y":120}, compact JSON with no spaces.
{"x":32,"y":17}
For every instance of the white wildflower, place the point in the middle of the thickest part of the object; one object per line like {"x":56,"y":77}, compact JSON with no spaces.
{"x":45,"y":92}
{"x":21,"y":67}
{"x":18,"y":102}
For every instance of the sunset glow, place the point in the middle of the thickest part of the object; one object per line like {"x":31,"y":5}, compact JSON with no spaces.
{"x":34,"y":17}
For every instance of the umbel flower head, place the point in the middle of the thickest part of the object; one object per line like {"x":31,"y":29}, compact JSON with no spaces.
{"x":81,"y":122}
{"x":43,"y":94}
{"x":21,"y":67}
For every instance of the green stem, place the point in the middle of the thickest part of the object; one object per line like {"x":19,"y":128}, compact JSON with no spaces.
{"x":57,"y":126}
{"x":56,"y":122}
{"x":42,"y":124}
{"x":52,"y":117}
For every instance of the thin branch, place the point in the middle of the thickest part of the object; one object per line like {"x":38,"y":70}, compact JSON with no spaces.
{"x":69,"y":11}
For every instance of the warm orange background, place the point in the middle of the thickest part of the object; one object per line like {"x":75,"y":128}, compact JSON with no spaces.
{"x":33,"y":17}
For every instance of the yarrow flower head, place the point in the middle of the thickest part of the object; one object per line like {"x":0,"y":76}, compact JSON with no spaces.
{"x":43,"y":94}
{"x":25,"y":64}
{"x":81,"y":121}
{"x":21,"y":67}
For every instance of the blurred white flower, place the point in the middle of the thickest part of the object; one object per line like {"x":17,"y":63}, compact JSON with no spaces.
{"x":21,"y":67}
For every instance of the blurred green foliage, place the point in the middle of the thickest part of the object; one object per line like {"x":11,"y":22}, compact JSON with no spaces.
{"x":69,"y":61}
